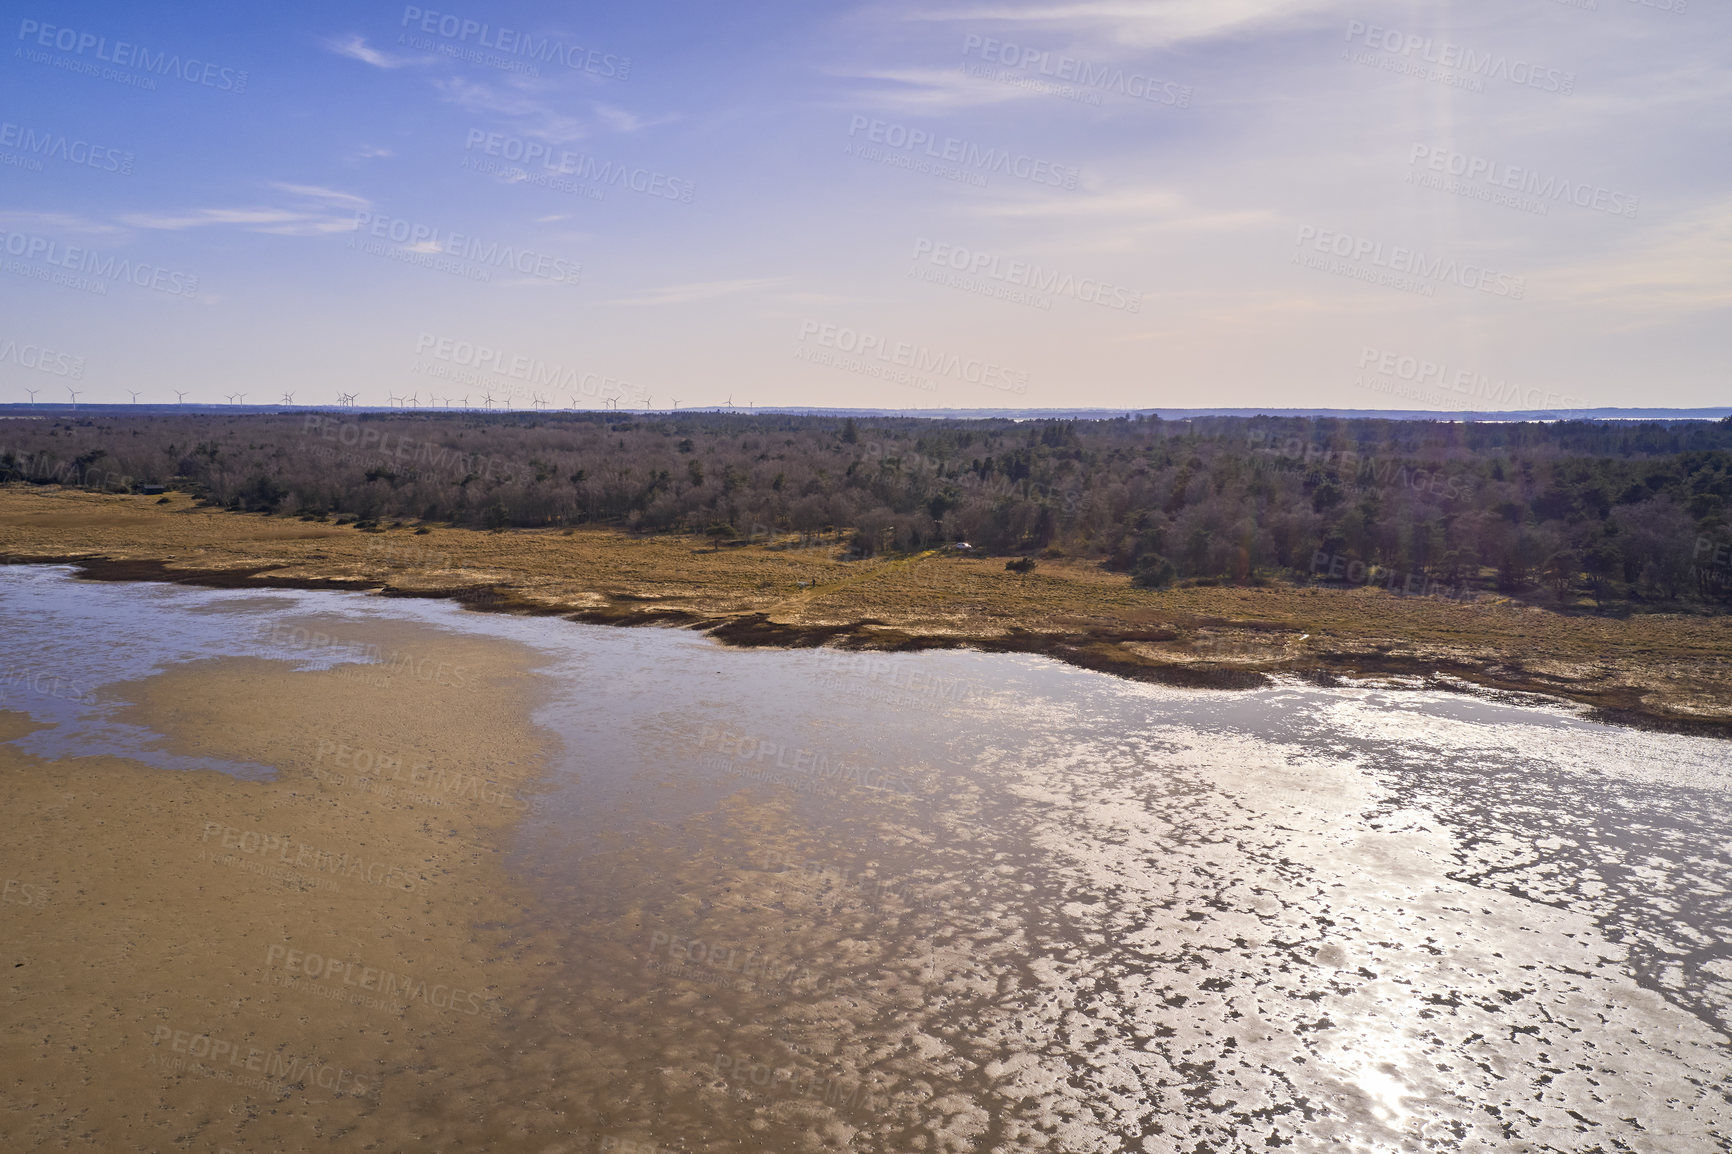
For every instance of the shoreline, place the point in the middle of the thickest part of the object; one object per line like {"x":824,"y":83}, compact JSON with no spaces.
{"x":1672,"y":674}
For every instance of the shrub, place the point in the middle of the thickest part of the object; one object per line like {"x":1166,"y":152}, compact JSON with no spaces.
{"x":1152,"y":571}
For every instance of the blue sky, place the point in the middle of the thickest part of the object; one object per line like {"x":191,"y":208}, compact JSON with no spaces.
{"x":1510,"y":204}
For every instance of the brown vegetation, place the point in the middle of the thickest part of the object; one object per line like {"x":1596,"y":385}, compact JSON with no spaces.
{"x":1660,"y":668}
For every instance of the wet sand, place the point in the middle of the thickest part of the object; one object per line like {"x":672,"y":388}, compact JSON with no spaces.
{"x":296,"y":964}
{"x":1058,"y":913}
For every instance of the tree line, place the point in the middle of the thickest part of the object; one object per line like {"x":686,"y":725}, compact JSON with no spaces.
{"x":1602,"y":510}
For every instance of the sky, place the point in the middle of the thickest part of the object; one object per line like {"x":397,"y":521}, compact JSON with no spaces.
{"x":1497,"y":204}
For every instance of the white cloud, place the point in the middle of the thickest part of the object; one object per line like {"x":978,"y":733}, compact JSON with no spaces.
{"x":933,"y":90}
{"x":621,"y":120}
{"x":540,"y":111}
{"x":1140,"y":23}
{"x":60,"y":223}
{"x":526,"y":100}
{"x":355,"y":47}
{"x":1134,"y":209}
{"x":311,"y":210}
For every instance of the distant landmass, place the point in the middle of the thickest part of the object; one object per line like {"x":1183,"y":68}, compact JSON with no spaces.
{"x":1092,"y":414}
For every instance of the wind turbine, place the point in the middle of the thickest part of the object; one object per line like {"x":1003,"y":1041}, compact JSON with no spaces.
{"x":463,"y":401}
{"x":730,"y":402}
{"x":74,"y":393}
{"x":393,"y":399}
{"x":346,"y":399}
{"x":180,"y":396}
{"x":538,"y":401}
{"x":288,"y":398}
{"x":135,"y":393}
{"x":487,"y":401}
{"x":676,"y":401}
{"x":33,"y":393}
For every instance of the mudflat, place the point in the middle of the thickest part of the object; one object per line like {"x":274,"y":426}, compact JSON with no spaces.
{"x":1669,"y":670}
{"x":197,"y":962}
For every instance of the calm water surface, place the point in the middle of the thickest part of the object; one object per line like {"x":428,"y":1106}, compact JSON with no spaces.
{"x":956,"y":901}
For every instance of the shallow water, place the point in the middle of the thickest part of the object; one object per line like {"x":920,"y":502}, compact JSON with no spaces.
{"x":965,"y":901}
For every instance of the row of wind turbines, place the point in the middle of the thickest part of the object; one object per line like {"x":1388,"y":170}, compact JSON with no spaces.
{"x":539,"y":403}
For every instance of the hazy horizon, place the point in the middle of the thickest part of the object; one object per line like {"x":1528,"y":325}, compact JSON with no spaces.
{"x":879,"y":205}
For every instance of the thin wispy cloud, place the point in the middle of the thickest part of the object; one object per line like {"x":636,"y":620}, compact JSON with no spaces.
{"x":532,"y":104}
{"x":1138,"y":23}
{"x":1140,"y":209}
{"x":56,"y":224}
{"x":306,"y":210}
{"x":355,"y":47}
{"x":935,"y":90}
{"x":541,"y":110}
{"x":622,"y":120}
{"x":680,"y":294}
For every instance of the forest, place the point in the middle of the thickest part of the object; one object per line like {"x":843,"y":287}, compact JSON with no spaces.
{"x":1568,"y":512}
